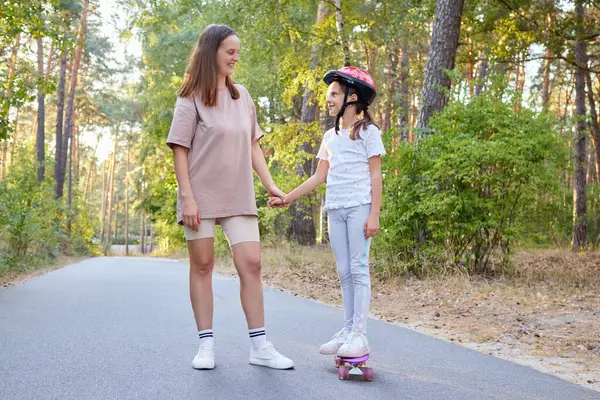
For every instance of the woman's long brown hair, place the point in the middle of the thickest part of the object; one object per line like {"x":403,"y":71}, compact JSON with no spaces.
{"x":201,"y":73}
{"x":361,"y":108}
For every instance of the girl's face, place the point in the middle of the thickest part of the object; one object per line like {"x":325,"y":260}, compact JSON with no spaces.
{"x":335,"y":98}
{"x":228,"y":55}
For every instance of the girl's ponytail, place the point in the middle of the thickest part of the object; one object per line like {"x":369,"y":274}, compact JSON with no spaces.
{"x":361,"y":123}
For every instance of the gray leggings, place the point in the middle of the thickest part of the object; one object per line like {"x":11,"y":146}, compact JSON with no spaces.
{"x":351,"y":251}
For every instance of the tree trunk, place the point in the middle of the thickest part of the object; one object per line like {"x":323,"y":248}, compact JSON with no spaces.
{"x":70,"y":193}
{"x":482,"y":75}
{"x":73,"y":85}
{"x":60,"y":106}
{"x":40,"y":137}
{"x":111,"y":188}
{"x":324,"y":225}
{"x":127,"y":200}
{"x":93,"y":182}
{"x":116,"y":217}
{"x":105,"y":180}
{"x":49,"y":65}
{"x":302,"y":227}
{"x":143,"y":232}
{"x":594,"y":124}
{"x":579,"y":190}
{"x":404,"y":93}
{"x":546,"y":81}
{"x":442,"y":54}
{"x":339,"y":23}
{"x":4,"y":158}
{"x":391,"y":52}
{"x":547,"y":63}
{"x":470,"y":72}
{"x":88,"y":178}
{"x":9,"y":80}
{"x":392,"y":80}
{"x":12,"y":67}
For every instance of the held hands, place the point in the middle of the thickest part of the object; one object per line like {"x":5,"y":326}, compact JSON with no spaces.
{"x":277,"y":198}
{"x":275,"y":192}
{"x":371,"y":227}
{"x":277,"y":202}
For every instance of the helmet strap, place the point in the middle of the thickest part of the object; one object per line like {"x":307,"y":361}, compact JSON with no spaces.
{"x":343,"y":109}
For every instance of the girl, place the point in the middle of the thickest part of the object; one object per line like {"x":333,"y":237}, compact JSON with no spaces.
{"x":350,"y":161}
{"x":214,"y":136}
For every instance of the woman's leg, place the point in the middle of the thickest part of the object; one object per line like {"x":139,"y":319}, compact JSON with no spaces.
{"x":202,"y":256}
{"x":244,"y":239}
{"x":201,"y":251}
{"x":247,"y":261}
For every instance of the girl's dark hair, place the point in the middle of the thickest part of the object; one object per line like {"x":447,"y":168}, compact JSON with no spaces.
{"x":361,"y":107}
{"x":201,"y":74}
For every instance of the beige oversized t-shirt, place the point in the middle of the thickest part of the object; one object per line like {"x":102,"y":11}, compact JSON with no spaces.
{"x":219,"y":157}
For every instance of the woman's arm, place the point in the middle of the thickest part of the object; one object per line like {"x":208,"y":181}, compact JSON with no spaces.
{"x":262,"y":170}
{"x":190,"y":212}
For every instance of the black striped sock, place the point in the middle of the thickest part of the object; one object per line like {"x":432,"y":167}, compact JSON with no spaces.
{"x":258,"y":337}
{"x":207,"y":333}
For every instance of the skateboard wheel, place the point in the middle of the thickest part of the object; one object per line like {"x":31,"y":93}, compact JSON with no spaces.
{"x":338,"y":361}
{"x":344,"y":372}
{"x":367,"y":374}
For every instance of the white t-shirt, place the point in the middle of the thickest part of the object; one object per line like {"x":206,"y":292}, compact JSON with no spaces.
{"x":349,"y":178}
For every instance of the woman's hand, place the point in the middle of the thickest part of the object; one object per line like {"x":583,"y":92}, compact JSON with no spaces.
{"x":277,"y":202}
{"x":274,"y":191}
{"x":371,"y":227}
{"x":190,"y":213}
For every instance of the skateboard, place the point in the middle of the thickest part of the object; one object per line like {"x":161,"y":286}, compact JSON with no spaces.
{"x":345,"y":365}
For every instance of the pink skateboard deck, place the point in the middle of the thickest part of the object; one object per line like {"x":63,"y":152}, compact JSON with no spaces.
{"x":345,"y":365}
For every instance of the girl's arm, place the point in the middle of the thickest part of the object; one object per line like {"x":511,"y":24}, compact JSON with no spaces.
{"x":190,"y":213}
{"x":318,"y":178}
{"x":371,"y":227}
{"x":260,"y":166}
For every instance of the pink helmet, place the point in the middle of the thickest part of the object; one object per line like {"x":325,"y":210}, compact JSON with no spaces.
{"x":356,"y":78}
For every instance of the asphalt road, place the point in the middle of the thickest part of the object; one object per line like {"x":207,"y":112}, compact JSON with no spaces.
{"x":122,"y":328}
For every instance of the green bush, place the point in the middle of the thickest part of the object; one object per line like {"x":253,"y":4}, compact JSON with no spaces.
{"x":33,"y":223}
{"x":30,"y":221}
{"x":484,"y":177}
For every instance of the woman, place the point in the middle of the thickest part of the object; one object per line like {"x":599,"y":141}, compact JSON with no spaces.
{"x":214,"y":137}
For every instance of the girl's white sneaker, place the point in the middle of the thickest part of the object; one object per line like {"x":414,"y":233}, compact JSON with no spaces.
{"x":356,"y":346}
{"x":332,"y":347}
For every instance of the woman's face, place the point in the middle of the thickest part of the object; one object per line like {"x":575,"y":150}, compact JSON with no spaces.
{"x":228,"y":55}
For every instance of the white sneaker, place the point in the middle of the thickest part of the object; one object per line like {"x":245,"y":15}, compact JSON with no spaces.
{"x":356,"y":346}
{"x":269,"y":357}
{"x":332,"y":347}
{"x":205,"y":359}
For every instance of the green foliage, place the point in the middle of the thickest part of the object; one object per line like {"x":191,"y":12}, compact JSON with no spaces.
{"x":487,"y":175}
{"x":30,"y":223}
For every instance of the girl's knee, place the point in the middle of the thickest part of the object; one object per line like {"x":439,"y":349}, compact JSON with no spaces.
{"x":345,"y":275}
{"x":360,"y":272}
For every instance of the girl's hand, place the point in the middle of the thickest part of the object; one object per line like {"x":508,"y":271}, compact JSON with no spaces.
{"x":371,"y":227}
{"x":277,"y":202}
{"x":190,"y":213}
